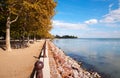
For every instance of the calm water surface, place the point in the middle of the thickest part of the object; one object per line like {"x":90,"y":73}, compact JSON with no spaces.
{"x":103,"y":55}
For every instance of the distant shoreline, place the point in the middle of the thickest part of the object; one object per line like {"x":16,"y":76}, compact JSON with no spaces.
{"x":65,"y":37}
{"x":92,"y":38}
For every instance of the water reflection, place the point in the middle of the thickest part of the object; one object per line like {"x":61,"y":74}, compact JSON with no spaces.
{"x":104,"y":54}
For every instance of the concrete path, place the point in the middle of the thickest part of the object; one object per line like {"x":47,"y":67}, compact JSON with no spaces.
{"x":46,"y":69}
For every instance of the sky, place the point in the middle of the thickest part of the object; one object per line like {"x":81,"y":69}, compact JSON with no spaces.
{"x":87,"y":18}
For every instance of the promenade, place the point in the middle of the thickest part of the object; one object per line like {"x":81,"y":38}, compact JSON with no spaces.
{"x":19,"y":63}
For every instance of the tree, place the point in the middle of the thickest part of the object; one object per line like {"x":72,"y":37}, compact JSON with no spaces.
{"x":39,"y":14}
{"x":9,"y":9}
{"x":34,"y":18}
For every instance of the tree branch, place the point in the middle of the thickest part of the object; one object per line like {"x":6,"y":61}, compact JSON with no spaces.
{"x":14,"y":20}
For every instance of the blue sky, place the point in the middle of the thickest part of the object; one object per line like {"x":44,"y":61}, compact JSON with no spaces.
{"x":87,"y":18}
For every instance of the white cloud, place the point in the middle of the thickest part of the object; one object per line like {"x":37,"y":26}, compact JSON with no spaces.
{"x":110,"y":6}
{"x":112,"y":17}
{"x":66,"y":25}
{"x":91,"y":21}
{"x":107,"y":20}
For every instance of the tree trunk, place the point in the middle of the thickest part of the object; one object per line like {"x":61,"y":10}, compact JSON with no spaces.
{"x":34,"y":40}
{"x":8,"y":46}
{"x":28,"y":40}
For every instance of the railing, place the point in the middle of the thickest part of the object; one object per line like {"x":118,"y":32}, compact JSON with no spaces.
{"x":44,"y":49}
{"x":39,"y":65}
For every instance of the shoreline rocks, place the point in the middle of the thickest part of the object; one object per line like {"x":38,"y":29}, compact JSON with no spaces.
{"x":67,"y":67}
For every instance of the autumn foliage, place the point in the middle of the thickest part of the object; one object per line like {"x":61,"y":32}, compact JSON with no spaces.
{"x":26,"y":18}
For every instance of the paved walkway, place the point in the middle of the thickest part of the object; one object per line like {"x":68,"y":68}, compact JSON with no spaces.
{"x":46,"y":69}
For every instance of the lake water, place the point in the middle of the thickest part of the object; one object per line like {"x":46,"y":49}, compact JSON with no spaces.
{"x":101,"y":54}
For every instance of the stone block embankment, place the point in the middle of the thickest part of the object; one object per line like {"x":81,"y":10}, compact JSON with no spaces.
{"x":63,"y":66}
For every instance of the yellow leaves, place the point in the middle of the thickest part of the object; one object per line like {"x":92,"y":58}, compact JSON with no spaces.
{"x":12,"y":6}
{"x":27,"y":5}
{"x":36,"y":15}
{"x":13,"y":11}
{"x":10,"y":2}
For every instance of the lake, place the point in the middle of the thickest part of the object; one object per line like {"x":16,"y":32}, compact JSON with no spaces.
{"x":96,"y":54}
